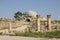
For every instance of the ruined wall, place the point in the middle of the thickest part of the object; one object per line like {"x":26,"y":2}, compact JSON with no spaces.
{"x":14,"y":23}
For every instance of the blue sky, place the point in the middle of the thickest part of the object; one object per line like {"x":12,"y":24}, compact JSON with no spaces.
{"x":42,"y":7}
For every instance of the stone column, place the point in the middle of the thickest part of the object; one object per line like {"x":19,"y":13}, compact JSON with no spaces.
{"x":10,"y":27}
{"x":38,"y":23}
{"x":49,"y":21}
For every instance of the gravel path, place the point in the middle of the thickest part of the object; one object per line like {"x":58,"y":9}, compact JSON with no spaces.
{"x":23,"y":38}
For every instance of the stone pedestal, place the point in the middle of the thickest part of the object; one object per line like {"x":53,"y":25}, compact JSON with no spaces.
{"x":49,"y":21}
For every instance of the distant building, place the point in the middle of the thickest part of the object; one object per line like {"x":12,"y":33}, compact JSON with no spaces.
{"x":33,"y":15}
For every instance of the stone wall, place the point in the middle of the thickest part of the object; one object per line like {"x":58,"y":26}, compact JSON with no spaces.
{"x":14,"y":23}
{"x":34,"y":23}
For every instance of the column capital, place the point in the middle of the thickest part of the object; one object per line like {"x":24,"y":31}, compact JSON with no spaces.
{"x":48,"y":16}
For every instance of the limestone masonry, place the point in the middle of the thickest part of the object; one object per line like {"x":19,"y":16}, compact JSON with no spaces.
{"x":35,"y":23}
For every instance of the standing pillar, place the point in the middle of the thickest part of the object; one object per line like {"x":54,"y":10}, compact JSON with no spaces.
{"x":10,"y":27}
{"x":49,"y":22}
{"x":38,"y":23}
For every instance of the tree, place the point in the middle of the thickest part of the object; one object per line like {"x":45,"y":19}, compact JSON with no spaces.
{"x":18,"y":15}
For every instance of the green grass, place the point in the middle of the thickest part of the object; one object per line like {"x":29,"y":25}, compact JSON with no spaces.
{"x":55,"y":34}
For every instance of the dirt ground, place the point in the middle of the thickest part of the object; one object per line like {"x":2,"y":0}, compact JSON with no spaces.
{"x":24,"y":38}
